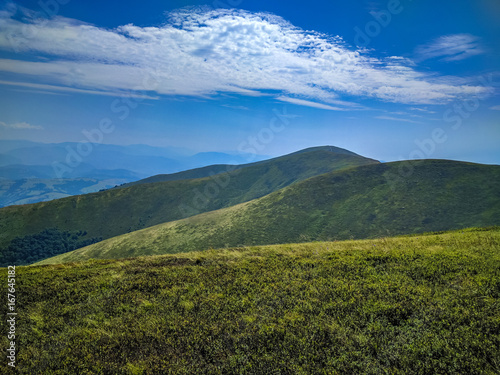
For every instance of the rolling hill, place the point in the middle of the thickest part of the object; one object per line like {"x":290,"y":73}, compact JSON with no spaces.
{"x":364,"y":202}
{"x":117,"y":211}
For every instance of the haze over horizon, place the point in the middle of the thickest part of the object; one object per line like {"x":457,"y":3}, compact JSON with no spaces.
{"x":389,"y":80}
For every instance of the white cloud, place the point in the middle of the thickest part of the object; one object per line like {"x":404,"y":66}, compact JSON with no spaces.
{"x":422,"y":110}
{"x":238,"y":107}
{"x":20,"y":125}
{"x":43,"y":92}
{"x":396,"y":119}
{"x":203,"y":52}
{"x":74,"y":90}
{"x":308,"y":103}
{"x":451,"y":48}
{"x":495,"y":108}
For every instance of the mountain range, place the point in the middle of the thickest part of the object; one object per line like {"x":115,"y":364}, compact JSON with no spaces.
{"x":322,"y":193}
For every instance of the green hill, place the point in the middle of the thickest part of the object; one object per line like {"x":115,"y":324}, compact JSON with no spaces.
{"x":364,"y":202}
{"x":410,"y":305}
{"x":118,"y":211}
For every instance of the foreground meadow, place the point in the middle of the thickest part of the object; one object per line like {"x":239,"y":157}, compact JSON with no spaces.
{"x":427,"y":304}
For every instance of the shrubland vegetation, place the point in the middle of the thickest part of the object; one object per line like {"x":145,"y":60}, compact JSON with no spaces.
{"x":425,"y":304}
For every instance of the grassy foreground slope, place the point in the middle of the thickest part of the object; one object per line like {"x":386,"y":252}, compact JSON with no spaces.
{"x":426,"y":304}
{"x":117,"y":211}
{"x":364,"y":202}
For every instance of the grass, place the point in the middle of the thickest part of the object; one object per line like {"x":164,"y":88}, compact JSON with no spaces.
{"x":426,"y":304}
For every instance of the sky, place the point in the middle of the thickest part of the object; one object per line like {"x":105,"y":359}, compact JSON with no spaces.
{"x":390,"y":80}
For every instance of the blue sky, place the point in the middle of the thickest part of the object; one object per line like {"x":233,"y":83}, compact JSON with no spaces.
{"x":392,"y":80}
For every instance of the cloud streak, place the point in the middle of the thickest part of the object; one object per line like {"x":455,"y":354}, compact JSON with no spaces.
{"x":451,"y":48}
{"x":308,"y":103}
{"x":201,"y":52}
{"x":38,"y":86}
{"x":20,"y":125}
{"x":397,"y":119}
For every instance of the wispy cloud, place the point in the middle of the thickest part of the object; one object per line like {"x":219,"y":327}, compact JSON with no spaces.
{"x":406,"y":114}
{"x":397,"y":119}
{"x":238,"y":107}
{"x":42,"y":92}
{"x":308,"y":103}
{"x":72,"y":89}
{"x":451,"y":48}
{"x":399,"y":113}
{"x":20,"y":125}
{"x":495,"y":108}
{"x":422,"y":110}
{"x":200,"y":52}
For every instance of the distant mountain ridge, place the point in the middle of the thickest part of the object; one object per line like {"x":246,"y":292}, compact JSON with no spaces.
{"x":34,"y":190}
{"x":142,"y":160}
{"x":22,"y":163}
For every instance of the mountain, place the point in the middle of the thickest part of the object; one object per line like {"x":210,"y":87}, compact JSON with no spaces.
{"x":364,"y":202}
{"x":117,"y":211}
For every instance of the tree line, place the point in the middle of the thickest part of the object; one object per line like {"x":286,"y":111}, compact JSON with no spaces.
{"x":48,"y":243}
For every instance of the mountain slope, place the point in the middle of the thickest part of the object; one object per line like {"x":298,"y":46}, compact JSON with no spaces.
{"x":363,"y":202}
{"x":117,"y":211}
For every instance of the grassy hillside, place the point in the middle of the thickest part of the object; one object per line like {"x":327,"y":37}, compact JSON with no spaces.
{"x":409,"y":305}
{"x":117,"y":211}
{"x":363,"y":202}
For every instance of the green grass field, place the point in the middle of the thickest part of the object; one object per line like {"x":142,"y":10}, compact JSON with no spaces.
{"x":425,"y":304}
